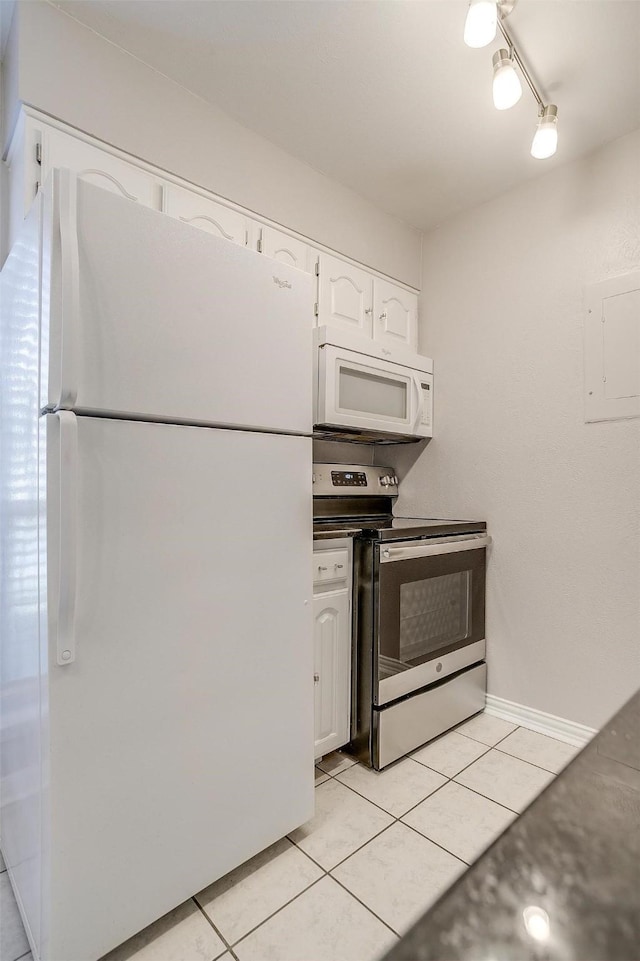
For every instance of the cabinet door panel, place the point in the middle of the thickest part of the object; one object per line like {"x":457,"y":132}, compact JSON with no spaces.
{"x":344,"y":296}
{"x":100,"y":168}
{"x":395,"y":314}
{"x":207,"y":214}
{"x":332,"y":670}
{"x":288,"y":250}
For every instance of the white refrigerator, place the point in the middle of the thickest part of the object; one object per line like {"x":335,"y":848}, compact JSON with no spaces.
{"x":156,"y":537}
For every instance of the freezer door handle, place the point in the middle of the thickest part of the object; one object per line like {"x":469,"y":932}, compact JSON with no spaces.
{"x":70,"y":287}
{"x":66,"y":634}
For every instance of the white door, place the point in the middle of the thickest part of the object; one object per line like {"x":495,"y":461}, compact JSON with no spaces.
{"x":332,"y":671}
{"x":280,"y":246}
{"x":166,"y":321}
{"x":395,"y":314}
{"x":217,"y":219}
{"x":99,"y":167}
{"x":191,"y":662}
{"x":344,"y":295}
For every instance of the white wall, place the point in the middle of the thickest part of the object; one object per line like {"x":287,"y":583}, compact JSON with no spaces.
{"x":503,"y":319}
{"x":72,"y":73}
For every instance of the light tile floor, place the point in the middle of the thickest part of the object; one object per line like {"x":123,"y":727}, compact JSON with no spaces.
{"x":381,"y":848}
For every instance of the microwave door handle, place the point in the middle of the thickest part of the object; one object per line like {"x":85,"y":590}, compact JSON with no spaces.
{"x":419,"y":402}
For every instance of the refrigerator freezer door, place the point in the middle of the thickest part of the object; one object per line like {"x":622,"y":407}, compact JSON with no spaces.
{"x":22,"y":699}
{"x":193,"y":659}
{"x":150,"y":317}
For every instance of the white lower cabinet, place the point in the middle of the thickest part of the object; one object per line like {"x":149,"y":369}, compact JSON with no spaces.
{"x":332,"y":647}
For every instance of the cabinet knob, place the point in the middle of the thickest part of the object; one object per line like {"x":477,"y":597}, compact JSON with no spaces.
{"x":383,"y":315}
{"x":368,"y":310}
{"x":322,"y":568}
{"x":316,"y":678}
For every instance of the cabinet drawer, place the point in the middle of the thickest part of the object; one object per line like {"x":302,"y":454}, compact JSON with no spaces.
{"x":331,"y":566}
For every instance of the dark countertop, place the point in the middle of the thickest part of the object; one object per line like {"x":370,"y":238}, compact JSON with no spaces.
{"x":325,"y":534}
{"x":574,"y":853}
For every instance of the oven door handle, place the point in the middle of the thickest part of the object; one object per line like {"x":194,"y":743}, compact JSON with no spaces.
{"x":388,"y":554}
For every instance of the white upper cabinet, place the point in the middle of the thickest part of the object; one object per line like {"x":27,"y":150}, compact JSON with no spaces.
{"x":99,"y":167}
{"x":349,"y":296}
{"x":395,"y":314}
{"x":280,"y":246}
{"x":344,"y":295}
{"x":353,"y":299}
{"x":192,"y":208}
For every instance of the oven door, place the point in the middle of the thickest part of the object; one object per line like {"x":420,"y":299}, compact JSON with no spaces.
{"x":429,"y":607}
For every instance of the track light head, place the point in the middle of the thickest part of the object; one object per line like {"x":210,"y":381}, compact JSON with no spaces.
{"x":545,"y":140}
{"x":482,"y":20}
{"x":507,"y":88}
{"x":481,"y":23}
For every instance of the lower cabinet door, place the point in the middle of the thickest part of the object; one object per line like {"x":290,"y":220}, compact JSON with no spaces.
{"x":332,"y":671}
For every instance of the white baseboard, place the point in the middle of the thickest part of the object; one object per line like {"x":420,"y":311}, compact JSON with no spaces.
{"x":543,"y":723}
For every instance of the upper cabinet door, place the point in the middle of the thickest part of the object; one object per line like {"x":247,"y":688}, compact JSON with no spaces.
{"x":344,"y":296}
{"x":395,"y":314}
{"x":100,"y":168}
{"x":288,"y":250}
{"x":201,"y":212}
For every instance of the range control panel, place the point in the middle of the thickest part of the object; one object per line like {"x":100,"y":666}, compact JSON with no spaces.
{"x":348,"y":478}
{"x":359,"y":479}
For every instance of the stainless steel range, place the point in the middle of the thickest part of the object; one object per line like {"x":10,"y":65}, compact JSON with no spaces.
{"x":419,"y":612}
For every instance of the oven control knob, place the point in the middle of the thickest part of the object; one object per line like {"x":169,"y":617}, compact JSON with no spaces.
{"x":386,"y":480}
{"x":386,"y":553}
{"x":394,"y":480}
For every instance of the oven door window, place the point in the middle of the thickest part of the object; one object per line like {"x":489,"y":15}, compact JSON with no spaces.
{"x":434,"y":613}
{"x":428,"y":607}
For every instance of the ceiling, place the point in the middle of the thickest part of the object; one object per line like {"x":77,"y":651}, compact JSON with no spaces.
{"x":383,"y":95}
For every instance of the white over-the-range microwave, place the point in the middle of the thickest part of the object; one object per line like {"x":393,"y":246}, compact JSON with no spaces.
{"x":369,"y":392}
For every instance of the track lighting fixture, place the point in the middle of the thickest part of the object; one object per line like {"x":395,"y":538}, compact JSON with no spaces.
{"x":484,"y":17}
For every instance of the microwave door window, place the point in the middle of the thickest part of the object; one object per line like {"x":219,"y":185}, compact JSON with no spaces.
{"x":368,"y":392}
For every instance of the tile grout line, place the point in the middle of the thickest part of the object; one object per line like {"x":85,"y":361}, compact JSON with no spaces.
{"x":451,"y":776}
{"x":499,"y":741}
{"x":413,"y":807}
{"x":370,"y":910}
{"x":218,"y":932}
{"x":398,"y":820}
{"x":467,"y":864}
{"x":277,"y":911}
{"x":396,"y":817}
{"x":532,"y":763}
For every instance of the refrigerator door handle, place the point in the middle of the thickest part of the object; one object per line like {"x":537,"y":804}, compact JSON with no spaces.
{"x":70,"y":287}
{"x":66,"y":636}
